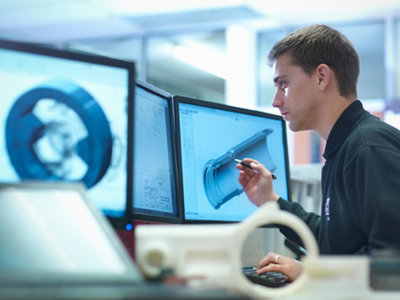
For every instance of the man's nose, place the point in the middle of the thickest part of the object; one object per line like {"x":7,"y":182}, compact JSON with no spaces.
{"x":277,"y":101}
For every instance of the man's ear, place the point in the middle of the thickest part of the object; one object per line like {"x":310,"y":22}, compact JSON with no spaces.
{"x":324,"y":75}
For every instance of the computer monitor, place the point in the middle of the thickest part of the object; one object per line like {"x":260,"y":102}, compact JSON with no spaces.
{"x":154,"y":165}
{"x":64,"y":117}
{"x":210,"y":137}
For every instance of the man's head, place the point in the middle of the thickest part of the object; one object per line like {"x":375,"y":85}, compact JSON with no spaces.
{"x":313,"y":45}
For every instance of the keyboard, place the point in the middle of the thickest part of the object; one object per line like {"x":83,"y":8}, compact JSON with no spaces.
{"x":269,"y":279}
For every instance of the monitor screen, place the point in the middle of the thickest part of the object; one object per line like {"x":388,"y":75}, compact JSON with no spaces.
{"x":154,"y":171}
{"x":210,"y":137}
{"x":64,"y":117}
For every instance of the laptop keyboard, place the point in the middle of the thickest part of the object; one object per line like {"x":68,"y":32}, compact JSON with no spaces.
{"x":269,"y":279}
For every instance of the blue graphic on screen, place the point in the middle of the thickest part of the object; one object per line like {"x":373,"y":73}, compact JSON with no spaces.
{"x":154,"y":190}
{"x":58,"y":131}
{"x":210,"y":140}
{"x":218,"y":173}
{"x":65,"y":120}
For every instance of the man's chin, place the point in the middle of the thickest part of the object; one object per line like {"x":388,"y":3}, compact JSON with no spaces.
{"x":293,"y":127}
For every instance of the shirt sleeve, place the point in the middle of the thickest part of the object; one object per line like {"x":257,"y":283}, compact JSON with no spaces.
{"x":311,"y":219}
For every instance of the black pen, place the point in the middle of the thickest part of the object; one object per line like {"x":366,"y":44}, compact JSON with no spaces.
{"x":247,"y":165}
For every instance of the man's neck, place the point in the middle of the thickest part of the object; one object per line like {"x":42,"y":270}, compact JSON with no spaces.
{"x":331,"y":113}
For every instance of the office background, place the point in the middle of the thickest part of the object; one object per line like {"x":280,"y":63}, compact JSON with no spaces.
{"x":216,"y":50}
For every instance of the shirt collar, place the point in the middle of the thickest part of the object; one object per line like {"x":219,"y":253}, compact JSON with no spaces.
{"x":342,"y":127}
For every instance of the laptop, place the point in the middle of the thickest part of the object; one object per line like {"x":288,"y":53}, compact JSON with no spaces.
{"x":54,"y":244}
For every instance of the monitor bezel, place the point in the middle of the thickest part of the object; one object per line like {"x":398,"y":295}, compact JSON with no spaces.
{"x":199,"y":102}
{"x":148,"y":215}
{"x":119,"y":222}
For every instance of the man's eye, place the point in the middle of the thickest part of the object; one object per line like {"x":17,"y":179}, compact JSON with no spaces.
{"x":282,"y":85}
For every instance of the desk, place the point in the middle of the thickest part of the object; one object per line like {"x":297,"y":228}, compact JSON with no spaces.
{"x":117,"y":292}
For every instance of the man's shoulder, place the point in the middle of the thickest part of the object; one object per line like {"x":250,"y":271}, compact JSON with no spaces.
{"x":370,"y":131}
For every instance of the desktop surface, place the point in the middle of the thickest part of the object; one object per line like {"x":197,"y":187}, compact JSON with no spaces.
{"x":112,"y":291}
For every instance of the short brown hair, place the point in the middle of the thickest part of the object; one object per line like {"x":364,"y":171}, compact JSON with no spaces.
{"x":319,"y":44}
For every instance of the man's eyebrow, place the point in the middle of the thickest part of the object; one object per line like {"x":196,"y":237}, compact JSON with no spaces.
{"x":277,"y":78}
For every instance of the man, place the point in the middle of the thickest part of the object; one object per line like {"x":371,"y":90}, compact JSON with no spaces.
{"x":315,"y":70}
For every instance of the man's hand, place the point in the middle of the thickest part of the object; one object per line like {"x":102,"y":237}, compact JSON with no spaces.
{"x":256,"y":182}
{"x":273,"y":262}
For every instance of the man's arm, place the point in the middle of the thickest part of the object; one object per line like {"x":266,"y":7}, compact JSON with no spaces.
{"x":257,"y":184}
{"x":311,"y":219}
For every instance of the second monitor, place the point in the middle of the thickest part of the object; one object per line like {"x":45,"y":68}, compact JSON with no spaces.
{"x":210,"y":137}
{"x":154,"y":173}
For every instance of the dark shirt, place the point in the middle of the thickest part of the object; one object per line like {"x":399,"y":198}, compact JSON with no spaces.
{"x":360,"y":187}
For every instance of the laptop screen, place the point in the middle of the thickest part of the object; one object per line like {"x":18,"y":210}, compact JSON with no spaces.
{"x":211,"y":137}
{"x":51,"y":229}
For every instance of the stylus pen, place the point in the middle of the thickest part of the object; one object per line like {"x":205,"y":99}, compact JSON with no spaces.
{"x":247,"y":165}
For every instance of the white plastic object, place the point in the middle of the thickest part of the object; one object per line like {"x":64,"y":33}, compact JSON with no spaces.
{"x":213,"y":251}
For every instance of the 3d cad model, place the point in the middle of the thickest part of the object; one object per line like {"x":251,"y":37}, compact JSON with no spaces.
{"x":220,"y":175}
{"x":58,"y":131}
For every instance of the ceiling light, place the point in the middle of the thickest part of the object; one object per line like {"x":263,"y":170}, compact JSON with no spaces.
{"x":200,"y":61}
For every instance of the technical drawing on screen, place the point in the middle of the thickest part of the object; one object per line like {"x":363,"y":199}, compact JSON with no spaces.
{"x":154,"y":169}
{"x":212,"y":137}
